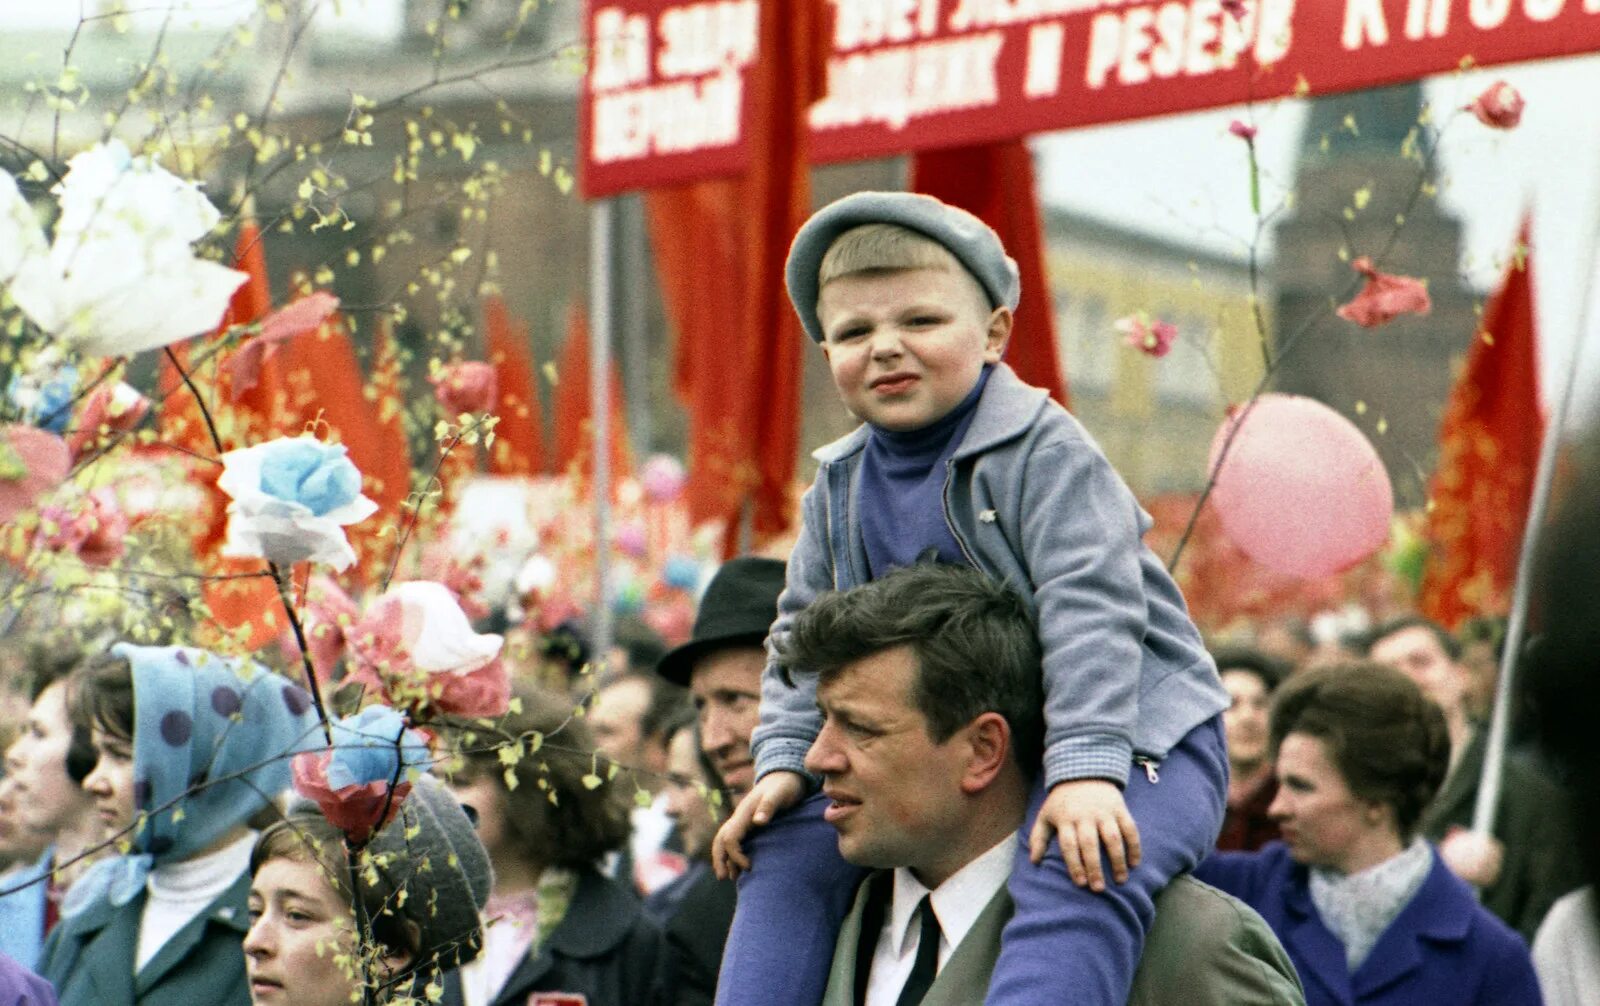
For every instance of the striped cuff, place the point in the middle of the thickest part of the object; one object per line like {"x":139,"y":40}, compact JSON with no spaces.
{"x":1088,"y":756}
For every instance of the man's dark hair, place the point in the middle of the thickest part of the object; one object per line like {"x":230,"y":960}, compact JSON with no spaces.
{"x":643,"y":645}
{"x":54,"y":664}
{"x":1448,"y":643}
{"x":1384,"y":736}
{"x":974,"y":639}
{"x":1270,"y":670}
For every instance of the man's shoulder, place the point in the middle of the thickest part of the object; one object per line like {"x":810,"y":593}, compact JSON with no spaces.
{"x":1214,"y":947}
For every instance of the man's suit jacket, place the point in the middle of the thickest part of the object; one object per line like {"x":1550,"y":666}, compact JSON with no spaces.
{"x":1206,"y":949}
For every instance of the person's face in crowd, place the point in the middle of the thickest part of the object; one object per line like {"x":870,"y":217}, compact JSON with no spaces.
{"x":726,"y":685}
{"x":481,"y":791}
{"x":616,"y":721}
{"x":111,"y":781}
{"x":1245,"y":719}
{"x":1415,"y":651}
{"x":19,"y":843}
{"x":44,"y":797}
{"x":892,"y":788}
{"x":905,"y":347}
{"x":301,"y":931}
{"x":1322,"y":822}
{"x":685,"y":802}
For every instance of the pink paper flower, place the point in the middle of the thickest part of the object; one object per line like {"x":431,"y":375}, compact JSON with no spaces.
{"x":415,"y":647}
{"x":1243,"y":131}
{"x":117,"y":409}
{"x":463,"y":578}
{"x":1153,"y":338}
{"x":466,"y":387}
{"x":32,"y":462}
{"x":1499,"y":106}
{"x":93,"y":529}
{"x":360,"y":783}
{"x":1384,"y":297}
{"x":304,"y":315}
{"x":663,"y":478}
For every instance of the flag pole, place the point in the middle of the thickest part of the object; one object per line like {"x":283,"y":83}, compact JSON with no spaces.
{"x":600,"y":315}
{"x":1489,"y":783}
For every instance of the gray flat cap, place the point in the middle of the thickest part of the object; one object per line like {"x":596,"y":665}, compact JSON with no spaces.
{"x":973,"y":243}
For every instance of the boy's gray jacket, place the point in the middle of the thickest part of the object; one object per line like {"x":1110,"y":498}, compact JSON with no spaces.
{"x":1032,"y":501}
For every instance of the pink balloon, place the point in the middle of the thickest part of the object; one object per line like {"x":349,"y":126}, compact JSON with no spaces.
{"x":1302,"y":492}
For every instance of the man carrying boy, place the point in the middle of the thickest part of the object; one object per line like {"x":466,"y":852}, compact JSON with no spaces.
{"x":960,"y":462}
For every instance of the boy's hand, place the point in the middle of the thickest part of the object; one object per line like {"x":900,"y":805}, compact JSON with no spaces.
{"x":1084,"y":813}
{"x":775,"y":791}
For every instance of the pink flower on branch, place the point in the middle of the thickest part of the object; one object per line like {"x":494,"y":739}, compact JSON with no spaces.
{"x":304,"y":315}
{"x":92,"y":528}
{"x":1243,"y":131}
{"x":466,"y":387}
{"x":415,"y":647}
{"x":1153,"y":338}
{"x":116,"y":409}
{"x":1499,"y":106}
{"x":1384,"y":297}
{"x":32,"y":462}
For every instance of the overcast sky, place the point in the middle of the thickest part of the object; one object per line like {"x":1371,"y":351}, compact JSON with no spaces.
{"x":1184,"y":176}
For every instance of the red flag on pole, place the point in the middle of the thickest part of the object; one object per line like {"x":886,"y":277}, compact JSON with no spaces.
{"x":519,"y":436}
{"x":574,"y":435}
{"x":1488,"y":456}
{"x":994,"y":182}
{"x":720,"y":248}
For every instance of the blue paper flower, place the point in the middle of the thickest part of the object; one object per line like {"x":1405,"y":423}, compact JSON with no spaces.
{"x":292,"y":498}
{"x":45,"y":399}
{"x":364,"y":748}
{"x":318,"y":476}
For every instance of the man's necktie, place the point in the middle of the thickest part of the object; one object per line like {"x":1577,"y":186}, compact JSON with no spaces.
{"x":927,"y":962}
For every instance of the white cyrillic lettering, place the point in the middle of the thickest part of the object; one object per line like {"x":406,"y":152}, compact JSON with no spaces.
{"x":1542,"y":10}
{"x":621,"y":45}
{"x":1487,"y":14}
{"x":1274,"y":30}
{"x":1172,"y":24}
{"x":1364,"y":24}
{"x":1203,"y":52}
{"x":1105,"y":41}
{"x":1427,"y":17}
{"x":1136,"y":25}
{"x":1043,"y":76}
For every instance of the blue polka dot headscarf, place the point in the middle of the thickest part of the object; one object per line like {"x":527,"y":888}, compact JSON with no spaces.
{"x":203,"y":721}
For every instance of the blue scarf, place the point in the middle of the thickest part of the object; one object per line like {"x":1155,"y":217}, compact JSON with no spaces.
{"x":198,"y":717}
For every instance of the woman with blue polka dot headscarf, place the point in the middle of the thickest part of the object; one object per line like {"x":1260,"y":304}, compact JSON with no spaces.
{"x":190,"y":746}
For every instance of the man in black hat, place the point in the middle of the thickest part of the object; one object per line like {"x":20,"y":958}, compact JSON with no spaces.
{"x":721,"y":666}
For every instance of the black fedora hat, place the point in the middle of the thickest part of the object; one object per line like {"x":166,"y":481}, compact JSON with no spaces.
{"x":738,"y":607}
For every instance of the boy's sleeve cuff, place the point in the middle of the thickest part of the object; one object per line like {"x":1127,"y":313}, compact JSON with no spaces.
{"x":785,"y":754}
{"x":1088,"y":756}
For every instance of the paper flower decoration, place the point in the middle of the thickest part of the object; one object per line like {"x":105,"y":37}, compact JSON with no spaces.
{"x":326,"y":616}
{"x":361,"y":781}
{"x":42,"y":393}
{"x":117,"y":409}
{"x":1153,"y":338}
{"x":1301,"y":490}
{"x":1499,"y":106}
{"x":299,"y":318}
{"x":93,"y":529}
{"x":663,"y":478}
{"x":415,"y":647}
{"x":466,"y":387}
{"x":1385,"y":297}
{"x":32,"y":462}
{"x":292,"y":498}
{"x":121,"y":276}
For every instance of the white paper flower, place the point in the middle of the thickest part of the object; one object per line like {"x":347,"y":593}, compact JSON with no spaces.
{"x":20,"y":236}
{"x":292,"y":498}
{"x":415,"y":647}
{"x":120,"y":276}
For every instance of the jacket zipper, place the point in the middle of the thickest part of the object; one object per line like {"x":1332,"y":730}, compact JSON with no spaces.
{"x":949,"y":476}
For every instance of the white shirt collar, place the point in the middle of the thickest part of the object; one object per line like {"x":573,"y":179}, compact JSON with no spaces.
{"x":957,"y":902}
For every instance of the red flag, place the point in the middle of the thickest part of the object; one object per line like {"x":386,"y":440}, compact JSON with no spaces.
{"x":574,"y":432}
{"x":1488,"y":456}
{"x":994,"y":182}
{"x":519,"y":436}
{"x":720,"y":247}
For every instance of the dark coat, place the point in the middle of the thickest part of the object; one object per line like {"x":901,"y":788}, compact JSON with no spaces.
{"x":89,"y":956}
{"x":1443,"y":947}
{"x":697,"y":929}
{"x":1539,"y":865}
{"x":604,"y":949}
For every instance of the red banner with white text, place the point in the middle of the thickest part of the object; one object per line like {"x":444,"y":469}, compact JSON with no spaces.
{"x":664,"y":101}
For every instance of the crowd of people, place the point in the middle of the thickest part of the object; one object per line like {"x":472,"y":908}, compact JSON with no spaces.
{"x":964,"y":745}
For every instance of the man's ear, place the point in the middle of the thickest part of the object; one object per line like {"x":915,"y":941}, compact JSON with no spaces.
{"x":998,"y":334}
{"x":989,"y":744}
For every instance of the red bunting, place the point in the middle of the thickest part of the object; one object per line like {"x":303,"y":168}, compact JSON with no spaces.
{"x":519,"y":446}
{"x":574,"y":430}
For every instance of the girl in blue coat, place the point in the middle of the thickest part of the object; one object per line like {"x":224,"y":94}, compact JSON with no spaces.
{"x":190,"y":746}
{"x":1365,"y":908}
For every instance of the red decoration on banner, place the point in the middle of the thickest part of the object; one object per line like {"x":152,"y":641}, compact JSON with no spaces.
{"x":995,"y":183}
{"x":1488,"y":455}
{"x":519,"y":447}
{"x":666,"y":75}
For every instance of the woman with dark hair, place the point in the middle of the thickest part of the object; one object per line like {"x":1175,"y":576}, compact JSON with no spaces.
{"x":554,"y":922}
{"x":419,"y":884}
{"x":43,"y":807}
{"x":1366,"y":909}
{"x":190,"y":746}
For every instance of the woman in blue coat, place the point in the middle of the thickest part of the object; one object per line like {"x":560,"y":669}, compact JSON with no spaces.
{"x":1365,"y":908}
